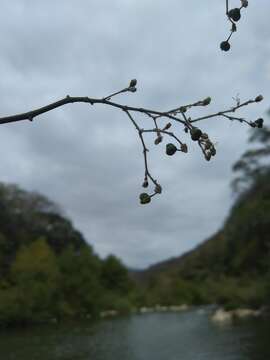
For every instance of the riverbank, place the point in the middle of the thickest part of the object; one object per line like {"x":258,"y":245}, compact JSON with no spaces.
{"x":221,"y":315}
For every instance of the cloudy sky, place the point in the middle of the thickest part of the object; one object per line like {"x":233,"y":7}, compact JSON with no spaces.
{"x":89,"y":159}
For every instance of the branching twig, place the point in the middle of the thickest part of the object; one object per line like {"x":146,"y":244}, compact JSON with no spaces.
{"x":177,"y":114}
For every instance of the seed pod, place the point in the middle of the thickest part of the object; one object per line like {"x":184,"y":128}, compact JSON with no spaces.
{"x":183,"y":109}
{"x":235,"y":14}
{"x":145,"y":184}
{"x":195,"y":133}
{"x":132,"y":89}
{"x":145,"y":198}
{"x":167,"y":126}
{"x":158,"y":140}
{"x":206,"y":101}
{"x":259,"y":123}
{"x":133,"y":83}
{"x":244,"y":3}
{"x":158,"y":189}
{"x":259,"y":98}
{"x":225,"y":46}
{"x":184,"y":148}
{"x":171,"y":149}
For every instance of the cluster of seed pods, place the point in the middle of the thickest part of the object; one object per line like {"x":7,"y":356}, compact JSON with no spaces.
{"x":234,"y":15}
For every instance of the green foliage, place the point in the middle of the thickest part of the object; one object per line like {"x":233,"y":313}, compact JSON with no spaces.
{"x":47,"y":269}
{"x":231,"y":268}
{"x":114,"y":276}
{"x":33,"y":282}
{"x":79,"y":282}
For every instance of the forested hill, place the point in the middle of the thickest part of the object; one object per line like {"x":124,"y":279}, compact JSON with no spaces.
{"x":232,"y":267}
{"x":26,"y":216}
{"x":47,"y":270}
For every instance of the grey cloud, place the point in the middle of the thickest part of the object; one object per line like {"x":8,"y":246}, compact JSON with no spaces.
{"x":89,"y":159}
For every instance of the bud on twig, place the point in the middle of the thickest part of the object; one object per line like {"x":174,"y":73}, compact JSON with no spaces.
{"x":145,"y":184}
{"x":145,"y":198}
{"x":206,"y":101}
{"x":167,"y":126}
{"x":158,"y":140}
{"x":133,"y":83}
{"x":195,"y":133}
{"x":171,"y":149}
{"x":244,"y":3}
{"x":184,"y":148}
{"x":158,"y":189}
{"x":259,"y":123}
{"x":259,"y":98}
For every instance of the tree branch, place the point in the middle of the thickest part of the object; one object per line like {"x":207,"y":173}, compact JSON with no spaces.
{"x":179,"y":115}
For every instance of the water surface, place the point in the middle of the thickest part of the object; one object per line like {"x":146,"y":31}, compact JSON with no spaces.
{"x":165,"y":336}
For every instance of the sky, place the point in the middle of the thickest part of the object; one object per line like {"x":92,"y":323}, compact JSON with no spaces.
{"x":89,"y":159}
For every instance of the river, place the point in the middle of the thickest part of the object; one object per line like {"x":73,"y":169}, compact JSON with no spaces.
{"x":188,"y":335}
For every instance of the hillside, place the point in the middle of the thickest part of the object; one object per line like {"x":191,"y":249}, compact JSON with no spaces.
{"x":232,"y":267}
{"x":47,"y":270}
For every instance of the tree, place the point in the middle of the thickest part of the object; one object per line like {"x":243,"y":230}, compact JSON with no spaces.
{"x":29,"y":293}
{"x":80,"y":289}
{"x":114,"y":275}
{"x":254,"y":164}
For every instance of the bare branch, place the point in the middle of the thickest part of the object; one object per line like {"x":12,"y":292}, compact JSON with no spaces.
{"x":179,"y":115}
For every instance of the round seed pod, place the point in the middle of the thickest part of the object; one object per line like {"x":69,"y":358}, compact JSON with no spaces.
{"x":145,"y":184}
{"x":133,"y":83}
{"x":235,"y":14}
{"x":259,"y":123}
{"x":145,"y":198}
{"x":195,"y":134}
{"x":259,"y":98}
{"x":225,"y":46}
{"x":171,"y":149}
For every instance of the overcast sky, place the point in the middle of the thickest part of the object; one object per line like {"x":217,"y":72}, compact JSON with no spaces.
{"x":89,"y":159}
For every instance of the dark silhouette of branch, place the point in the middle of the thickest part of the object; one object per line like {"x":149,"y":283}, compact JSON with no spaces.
{"x":178,"y":115}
